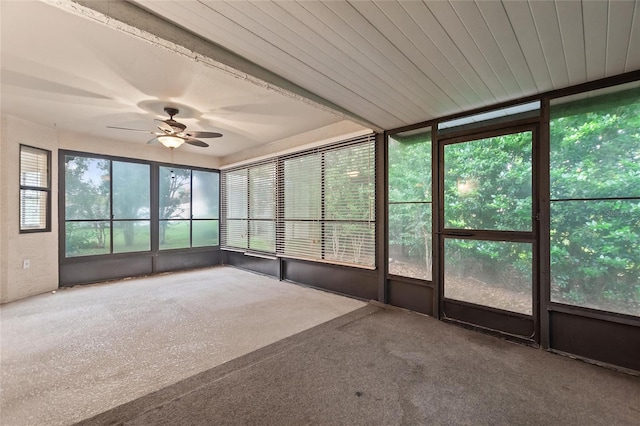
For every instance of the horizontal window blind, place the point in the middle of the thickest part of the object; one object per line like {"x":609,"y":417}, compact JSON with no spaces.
{"x":34,"y":189}
{"x":301,"y":192}
{"x":34,"y":167}
{"x":317,"y":204}
{"x":249,"y":205}
{"x":262,"y":207}
{"x":235,"y":208}
{"x":328,"y":211}
{"x":33,"y":209}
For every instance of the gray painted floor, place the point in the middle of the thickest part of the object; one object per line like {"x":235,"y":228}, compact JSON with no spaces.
{"x":382,"y":366}
{"x":76,"y":353}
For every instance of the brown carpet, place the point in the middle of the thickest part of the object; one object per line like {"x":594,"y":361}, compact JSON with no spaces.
{"x":378,"y":366}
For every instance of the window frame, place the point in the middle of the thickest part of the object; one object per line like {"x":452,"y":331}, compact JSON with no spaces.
{"x":46,"y":189}
{"x":573,"y":104}
{"x":327,"y":216}
{"x":190,"y":219}
{"x":248,"y":216}
{"x":411,"y":201}
{"x":110,"y":217}
{"x":154,"y":184}
{"x":280,"y":219}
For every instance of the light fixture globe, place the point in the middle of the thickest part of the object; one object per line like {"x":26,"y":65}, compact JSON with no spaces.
{"x":170,"y":141}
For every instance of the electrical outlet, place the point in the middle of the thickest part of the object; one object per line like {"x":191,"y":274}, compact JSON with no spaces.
{"x":26,"y":263}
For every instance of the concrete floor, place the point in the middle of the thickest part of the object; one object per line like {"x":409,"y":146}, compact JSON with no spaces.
{"x":76,"y":353}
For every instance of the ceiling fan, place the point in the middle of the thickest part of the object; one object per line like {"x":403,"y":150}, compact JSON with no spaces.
{"x":172,"y":133}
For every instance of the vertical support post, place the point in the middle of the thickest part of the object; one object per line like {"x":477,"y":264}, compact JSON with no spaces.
{"x":220,"y":216}
{"x":323,"y":227}
{"x":111,"y":224}
{"x":381,"y":224}
{"x":437,"y":218}
{"x":154,"y":198}
{"x":542,"y":173}
{"x":62,"y":224}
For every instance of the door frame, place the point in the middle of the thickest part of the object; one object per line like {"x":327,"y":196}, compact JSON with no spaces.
{"x":512,"y":325}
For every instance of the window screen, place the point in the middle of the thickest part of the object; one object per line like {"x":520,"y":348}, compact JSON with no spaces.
{"x":409,"y":184}
{"x":595,"y":199}
{"x":112,"y":206}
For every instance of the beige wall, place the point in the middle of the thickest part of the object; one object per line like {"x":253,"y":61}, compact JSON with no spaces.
{"x":42,"y":248}
{"x":331,"y":133}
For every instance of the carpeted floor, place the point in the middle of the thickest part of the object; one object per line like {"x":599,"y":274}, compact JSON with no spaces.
{"x":68,"y":356}
{"x":383,"y":366}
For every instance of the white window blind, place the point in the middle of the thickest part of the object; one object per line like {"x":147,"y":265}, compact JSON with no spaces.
{"x":249,"y":205}
{"x":34,"y":189}
{"x":262,"y":207}
{"x":317,"y":205}
{"x":235,"y":206}
{"x":302,"y":194}
{"x":329,"y":204}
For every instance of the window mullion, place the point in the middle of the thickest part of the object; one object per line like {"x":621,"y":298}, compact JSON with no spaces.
{"x":111,"y":223}
{"x":322,"y":207}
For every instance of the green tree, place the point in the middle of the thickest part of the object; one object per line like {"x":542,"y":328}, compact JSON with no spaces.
{"x":410,"y":203}
{"x":130,"y":195}
{"x":86,"y":200}
{"x":175,"y":193}
{"x":595,"y":227}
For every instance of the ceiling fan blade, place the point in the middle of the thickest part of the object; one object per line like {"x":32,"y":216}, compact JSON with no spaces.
{"x":196,"y":142}
{"x":196,"y":134}
{"x":164,"y":126}
{"x":127,"y":128}
{"x":152,"y":141}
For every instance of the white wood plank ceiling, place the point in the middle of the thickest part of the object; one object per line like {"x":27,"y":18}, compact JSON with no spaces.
{"x":396,"y":63}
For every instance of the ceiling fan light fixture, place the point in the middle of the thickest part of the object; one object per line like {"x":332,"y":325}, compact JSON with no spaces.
{"x":170,"y":141}
{"x":171,"y":133}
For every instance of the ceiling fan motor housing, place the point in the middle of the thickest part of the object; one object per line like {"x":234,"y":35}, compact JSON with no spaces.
{"x":175,"y":125}
{"x":171,"y":111}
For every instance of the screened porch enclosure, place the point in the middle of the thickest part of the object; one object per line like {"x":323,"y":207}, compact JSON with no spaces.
{"x":524,"y":221}
{"x":521,"y":221}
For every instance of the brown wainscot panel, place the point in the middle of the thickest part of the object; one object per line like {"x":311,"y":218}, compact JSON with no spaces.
{"x":261,"y":265}
{"x":101,"y":268}
{"x":490,"y":319}
{"x":176,"y":261}
{"x":416,"y":296}
{"x":356,"y":282}
{"x":596,"y":339}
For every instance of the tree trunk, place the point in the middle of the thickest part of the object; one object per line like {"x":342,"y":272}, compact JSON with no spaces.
{"x":128,"y":233}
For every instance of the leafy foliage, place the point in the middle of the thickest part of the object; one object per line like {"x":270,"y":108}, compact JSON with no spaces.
{"x":410,"y":241}
{"x":86,"y":198}
{"x":174,"y":199}
{"x":595,"y":244}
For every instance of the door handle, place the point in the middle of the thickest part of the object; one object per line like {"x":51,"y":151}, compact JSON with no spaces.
{"x":458,"y":234}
